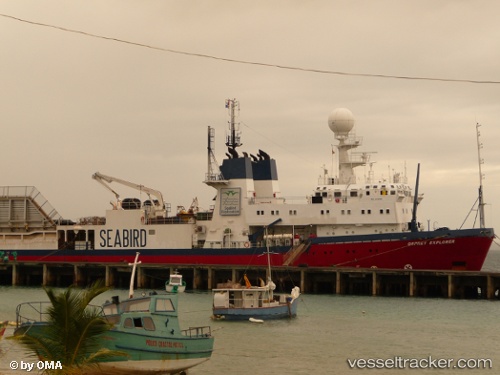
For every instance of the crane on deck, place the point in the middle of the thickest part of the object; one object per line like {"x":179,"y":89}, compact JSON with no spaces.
{"x":157,"y":205}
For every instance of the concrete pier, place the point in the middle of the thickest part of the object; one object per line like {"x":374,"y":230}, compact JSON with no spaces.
{"x":345,"y":281}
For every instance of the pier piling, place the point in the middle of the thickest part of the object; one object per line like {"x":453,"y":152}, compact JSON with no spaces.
{"x":342,"y":281}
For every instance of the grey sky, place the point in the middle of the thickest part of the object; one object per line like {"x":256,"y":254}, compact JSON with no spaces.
{"x":72,"y":105}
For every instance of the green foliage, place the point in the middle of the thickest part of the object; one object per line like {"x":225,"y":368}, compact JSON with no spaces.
{"x":71,"y":335}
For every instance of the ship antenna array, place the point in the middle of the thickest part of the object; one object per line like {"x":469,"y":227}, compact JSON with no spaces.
{"x":233,"y":138}
{"x":213,"y":170}
{"x":481,"y":176}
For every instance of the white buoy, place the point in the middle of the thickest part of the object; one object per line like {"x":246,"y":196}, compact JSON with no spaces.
{"x":253,"y":320}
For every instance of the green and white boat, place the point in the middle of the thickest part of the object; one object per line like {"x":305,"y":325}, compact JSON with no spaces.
{"x":145,"y":328}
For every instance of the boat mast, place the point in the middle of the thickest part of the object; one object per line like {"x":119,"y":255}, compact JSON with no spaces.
{"x":132,"y":277}
{"x":268,"y":257}
{"x":481,"y":176}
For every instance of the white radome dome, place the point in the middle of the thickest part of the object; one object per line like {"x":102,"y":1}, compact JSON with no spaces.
{"x":341,"y":121}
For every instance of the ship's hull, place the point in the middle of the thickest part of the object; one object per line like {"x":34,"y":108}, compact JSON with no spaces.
{"x":437,"y":250}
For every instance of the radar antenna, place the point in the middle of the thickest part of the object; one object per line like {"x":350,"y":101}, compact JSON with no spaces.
{"x":233,"y":138}
{"x":213,"y":170}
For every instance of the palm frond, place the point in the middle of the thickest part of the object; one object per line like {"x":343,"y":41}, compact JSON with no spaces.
{"x":71,"y":334}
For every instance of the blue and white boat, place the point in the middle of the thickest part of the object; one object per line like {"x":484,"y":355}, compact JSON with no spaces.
{"x":234,"y":301}
{"x":254,"y":303}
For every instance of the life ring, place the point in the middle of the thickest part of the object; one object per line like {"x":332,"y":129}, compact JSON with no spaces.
{"x":337,"y":200}
{"x":408,"y":266}
{"x":247,"y":244}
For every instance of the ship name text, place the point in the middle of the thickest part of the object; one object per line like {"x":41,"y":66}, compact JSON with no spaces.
{"x":164,"y":344}
{"x":431,"y":242}
{"x":123,"y":238}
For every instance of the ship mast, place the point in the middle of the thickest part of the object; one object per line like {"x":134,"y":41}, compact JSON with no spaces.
{"x":233,"y":138}
{"x":481,"y":176}
{"x":213,"y":170}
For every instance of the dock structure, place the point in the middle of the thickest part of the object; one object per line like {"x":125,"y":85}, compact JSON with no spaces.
{"x":341,"y":281}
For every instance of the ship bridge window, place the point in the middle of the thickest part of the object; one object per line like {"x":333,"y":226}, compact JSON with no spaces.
{"x":387,"y":211}
{"x":393,"y":192}
{"x":337,"y":194}
{"x":317,"y":194}
{"x":354,"y":193}
{"x":325,"y":194}
{"x":292,"y":212}
{"x":381,"y":211}
{"x":362,"y":212}
{"x":368,"y":192}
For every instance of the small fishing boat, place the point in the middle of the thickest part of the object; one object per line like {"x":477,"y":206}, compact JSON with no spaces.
{"x":255,"y":303}
{"x":233,"y":301}
{"x":146,"y":328}
{"x":175,"y":284}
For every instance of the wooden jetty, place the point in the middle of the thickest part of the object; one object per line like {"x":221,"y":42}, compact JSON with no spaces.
{"x":344,"y":281}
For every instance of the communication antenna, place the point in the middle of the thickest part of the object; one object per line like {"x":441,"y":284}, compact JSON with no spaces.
{"x":213,"y":170}
{"x":233,"y":138}
{"x":481,"y":176}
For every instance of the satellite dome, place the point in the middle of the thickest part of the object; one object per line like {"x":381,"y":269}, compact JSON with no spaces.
{"x":341,"y":121}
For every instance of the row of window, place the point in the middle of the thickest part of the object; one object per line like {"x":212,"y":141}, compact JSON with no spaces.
{"x":327,"y":212}
{"x":366,"y":212}
{"x":354,"y":193}
{"x":276,"y":212}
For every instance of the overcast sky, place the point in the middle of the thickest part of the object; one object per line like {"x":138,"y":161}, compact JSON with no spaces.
{"x":72,"y":104}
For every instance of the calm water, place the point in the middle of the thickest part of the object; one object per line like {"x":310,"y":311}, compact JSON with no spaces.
{"x":328,"y":331}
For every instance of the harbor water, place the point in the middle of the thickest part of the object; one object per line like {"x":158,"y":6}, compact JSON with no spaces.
{"x":331,"y":334}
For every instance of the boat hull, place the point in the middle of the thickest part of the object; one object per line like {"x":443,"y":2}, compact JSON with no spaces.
{"x":154,"y":354}
{"x":264,"y":313}
{"x":175,"y":288}
{"x":437,"y":250}
{"x":149,"y":367}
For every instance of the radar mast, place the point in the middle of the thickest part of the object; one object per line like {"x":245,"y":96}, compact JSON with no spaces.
{"x":481,"y":176}
{"x":233,"y":138}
